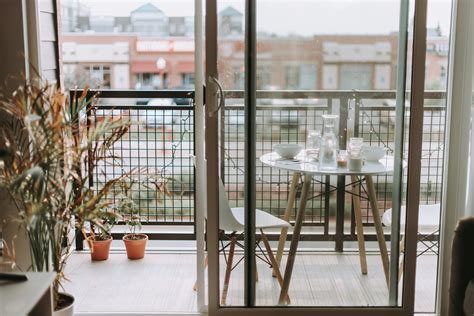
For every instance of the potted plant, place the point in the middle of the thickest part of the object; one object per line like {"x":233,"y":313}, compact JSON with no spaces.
{"x":43,"y":147}
{"x":100,"y":238}
{"x":135,"y":242}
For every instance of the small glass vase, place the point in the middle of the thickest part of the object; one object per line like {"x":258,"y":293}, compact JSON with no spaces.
{"x":329,"y":144}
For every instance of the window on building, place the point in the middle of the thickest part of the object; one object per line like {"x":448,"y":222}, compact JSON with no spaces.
{"x":238,"y":77}
{"x":263,"y":77}
{"x":443,"y":72}
{"x":98,"y":76}
{"x":291,"y":76}
{"x":355,"y":76}
{"x":187,"y":79}
{"x":300,"y":77}
{"x":442,"y":76}
{"x":307,"y":77}
{"x":147,"y":80}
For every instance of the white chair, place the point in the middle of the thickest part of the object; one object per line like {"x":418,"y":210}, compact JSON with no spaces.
{"x":231,"y":220}
{"x":428,"y":227}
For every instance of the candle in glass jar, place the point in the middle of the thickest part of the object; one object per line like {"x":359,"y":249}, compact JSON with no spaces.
{"x":342,"y":159}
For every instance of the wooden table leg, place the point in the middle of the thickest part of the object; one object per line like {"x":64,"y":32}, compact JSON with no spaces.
{"x":359,"y":225}
{"x":378,"y":225}
{"x":402,"y":256}
{"x":295,"y":239}
{"x":273,"y":261}
{"x":228,"y":269}
{"x":286,"y":217}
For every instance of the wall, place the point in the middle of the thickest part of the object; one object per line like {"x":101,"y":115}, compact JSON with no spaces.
{"x":459,"y":102}
{"x":121,"y":76}
{"x":50,"y":57}
{"x":11,"y":32}
{"x":12,"y":69}
{"x":28,"y":35}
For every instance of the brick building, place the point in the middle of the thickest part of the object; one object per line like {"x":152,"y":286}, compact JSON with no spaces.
{"x":152,"y":51}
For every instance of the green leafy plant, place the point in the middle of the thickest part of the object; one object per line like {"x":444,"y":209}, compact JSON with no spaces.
{"x":132,"y":218}
{"x":129,"y":210}
{"x":107,"y":218}
{"x":130,"y":202}
{"x":44,"y":145}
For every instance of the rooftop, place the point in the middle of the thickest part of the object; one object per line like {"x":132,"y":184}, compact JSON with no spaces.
{"x":146,"y":8}
{"x":230,"y":11}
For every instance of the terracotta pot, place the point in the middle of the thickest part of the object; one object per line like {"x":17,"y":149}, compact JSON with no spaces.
{"x":135,"y":247}
{"x":66,"y":306}
{"x":99,"y":248}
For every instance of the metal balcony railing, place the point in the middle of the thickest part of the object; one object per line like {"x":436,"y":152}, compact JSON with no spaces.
{"x":161,"y":140}
{"x":286,"y":116}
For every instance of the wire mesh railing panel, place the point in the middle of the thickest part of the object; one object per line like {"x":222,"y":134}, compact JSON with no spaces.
{"x":432,"y":155}
{"x":286,"y":122}
{"x":282,"y":120}
{"x":157,"y":152}
{"x":376,"y":124}
{"x":160,"y":142}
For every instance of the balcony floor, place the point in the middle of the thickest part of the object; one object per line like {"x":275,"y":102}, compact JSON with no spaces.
{"x":163,"y":282}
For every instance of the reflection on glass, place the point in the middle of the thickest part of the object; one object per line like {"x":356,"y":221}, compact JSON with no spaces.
{"x":313,"y":144}
{"x":309,"y":66}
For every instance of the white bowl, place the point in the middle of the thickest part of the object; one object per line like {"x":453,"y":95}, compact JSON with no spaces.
{"x":287,"y":151}
{"x":373,"y":153}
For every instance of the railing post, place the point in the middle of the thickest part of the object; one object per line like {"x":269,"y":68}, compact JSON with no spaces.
{"x":222,"y":144}
{"x":195,"y":228}
{"x":79,"y":238}
{"x":341,"y":180}
{"x":355,"y":133}
{"x":343,"y":115}
{"x":327,"y":188}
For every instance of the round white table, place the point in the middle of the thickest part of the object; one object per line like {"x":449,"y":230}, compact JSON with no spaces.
{"x":307,"y":165}
{"x":303,"y":165}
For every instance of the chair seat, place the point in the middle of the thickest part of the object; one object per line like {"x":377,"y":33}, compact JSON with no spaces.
{"x":428,"y":219}
{"x":262,"y":219}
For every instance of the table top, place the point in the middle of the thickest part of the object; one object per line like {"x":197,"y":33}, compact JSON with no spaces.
{"x":19,"y":298}
{"x":304,"y":164}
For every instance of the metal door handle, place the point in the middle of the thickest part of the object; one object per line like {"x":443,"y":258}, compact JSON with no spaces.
{"x":220,"y":95}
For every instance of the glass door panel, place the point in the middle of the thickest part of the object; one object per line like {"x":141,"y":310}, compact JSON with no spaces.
{"x":231,"y":69}
{"x":294,"y":231}
{"x":434,"y":120}
{"x":327,"y":58}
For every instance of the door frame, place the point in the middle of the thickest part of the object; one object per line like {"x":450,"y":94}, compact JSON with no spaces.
{"x":212,"y":150}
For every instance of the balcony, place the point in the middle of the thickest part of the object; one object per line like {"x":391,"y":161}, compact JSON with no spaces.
{"x":159,"y":145}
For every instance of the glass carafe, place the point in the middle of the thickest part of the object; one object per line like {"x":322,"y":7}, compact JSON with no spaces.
{"x":329,"y":143}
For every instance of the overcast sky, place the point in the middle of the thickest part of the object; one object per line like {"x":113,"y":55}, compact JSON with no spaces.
{"x":303,"y":17}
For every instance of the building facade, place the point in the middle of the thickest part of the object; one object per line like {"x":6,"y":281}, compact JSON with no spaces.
{"x":149,"y":50}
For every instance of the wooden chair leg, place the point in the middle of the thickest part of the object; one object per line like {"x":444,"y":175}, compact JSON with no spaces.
{"x":276,"y":268}
{"x":400,"y":270}
{"x":228,"y":269}
{"x":256,"y":271}
{"x":402,"y":255}
{"x":205,"y":266}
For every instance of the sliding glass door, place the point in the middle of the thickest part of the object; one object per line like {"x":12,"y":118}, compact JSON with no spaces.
{"x":313,"y":148}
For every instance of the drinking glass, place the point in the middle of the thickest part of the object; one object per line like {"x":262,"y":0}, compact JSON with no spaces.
{"x":355,"y":147}
{"x":313,"y":144}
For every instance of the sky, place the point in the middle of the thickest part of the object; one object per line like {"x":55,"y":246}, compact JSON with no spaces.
{"x":302,"y":17}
